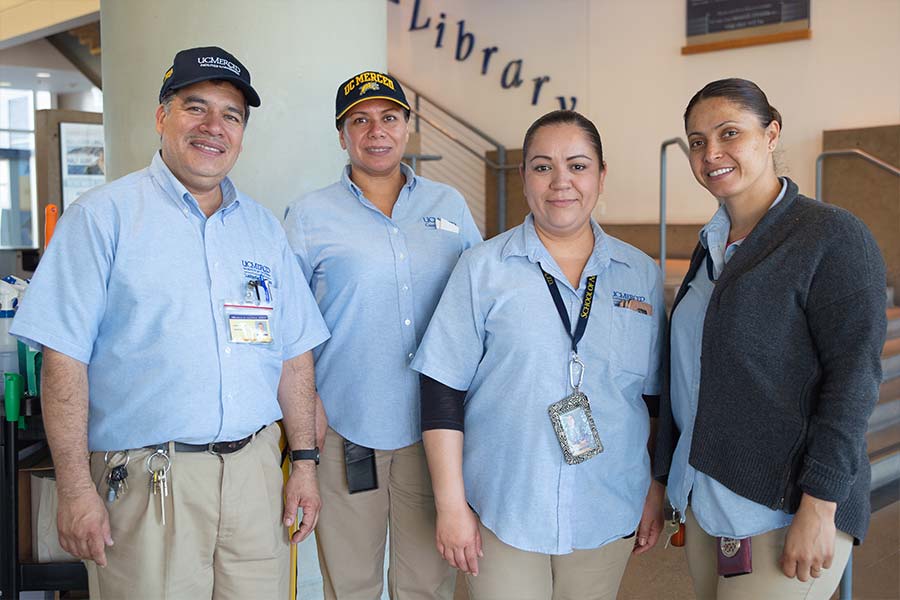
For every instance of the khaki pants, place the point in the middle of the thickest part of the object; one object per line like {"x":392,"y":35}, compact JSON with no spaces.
{"x":352,"y":529}
{"x":767,"y":580}
{"x":507,"y":573}
{"x":223,"y":537}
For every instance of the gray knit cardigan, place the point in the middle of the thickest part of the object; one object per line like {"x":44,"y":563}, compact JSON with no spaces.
{"x":790,"y":363}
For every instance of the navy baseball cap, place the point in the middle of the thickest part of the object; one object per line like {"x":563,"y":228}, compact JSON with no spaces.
{"x":368,"y":85}
{"x":202,"y":64}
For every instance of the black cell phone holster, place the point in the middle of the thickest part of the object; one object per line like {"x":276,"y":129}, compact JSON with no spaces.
{"x":360,"y":464}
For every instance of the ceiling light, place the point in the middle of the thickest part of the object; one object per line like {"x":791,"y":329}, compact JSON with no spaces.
{"x":42,"y":74}
{"x":5,"y":84}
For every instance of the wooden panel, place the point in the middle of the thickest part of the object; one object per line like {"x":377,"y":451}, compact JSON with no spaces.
{"x":516,"y":207}
{"x":772,"y":38}
{"x":867,"y":191}
{"x":46,"y":145}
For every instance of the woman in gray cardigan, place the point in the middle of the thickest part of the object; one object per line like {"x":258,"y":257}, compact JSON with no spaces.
{"x":775,"y":340}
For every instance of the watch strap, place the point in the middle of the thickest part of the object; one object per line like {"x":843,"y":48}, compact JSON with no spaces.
{"x":308,"y":454}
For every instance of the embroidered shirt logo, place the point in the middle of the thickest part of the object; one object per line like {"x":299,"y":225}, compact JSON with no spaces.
{"x":255,"y":270}
{"x":620,"y":297}
{"x":440,"y":223}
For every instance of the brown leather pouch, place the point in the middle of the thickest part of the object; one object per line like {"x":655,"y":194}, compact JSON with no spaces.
{"x":733,"y":557}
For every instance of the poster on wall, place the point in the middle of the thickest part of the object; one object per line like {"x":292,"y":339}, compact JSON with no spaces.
{"x":722,"y":24}
{"x":81,"y":155}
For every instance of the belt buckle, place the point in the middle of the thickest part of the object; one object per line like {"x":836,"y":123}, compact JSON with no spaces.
{"x":211,"y":448}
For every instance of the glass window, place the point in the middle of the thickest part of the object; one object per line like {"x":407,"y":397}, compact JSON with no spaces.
{"x":16,"y":109}
{"x":18,"y":196}
{"x":44,"y":100}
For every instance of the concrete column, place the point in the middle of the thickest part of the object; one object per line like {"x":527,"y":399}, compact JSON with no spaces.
{"x":297,"y":51}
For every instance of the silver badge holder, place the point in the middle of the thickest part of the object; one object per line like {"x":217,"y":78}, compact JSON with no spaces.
{"x":573,"y":421}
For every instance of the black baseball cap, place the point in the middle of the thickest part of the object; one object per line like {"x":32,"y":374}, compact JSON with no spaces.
{"x":368,"y":85}
{"x":202,"y":64}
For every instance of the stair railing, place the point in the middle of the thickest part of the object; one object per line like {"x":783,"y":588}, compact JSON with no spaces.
{"x":662,"y":197}
{"x":499,"y":168}
{"x":849,"y":152}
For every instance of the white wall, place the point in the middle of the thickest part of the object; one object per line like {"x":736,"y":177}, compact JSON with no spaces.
{"x":297,"y":54}
{"x":623,"y":62}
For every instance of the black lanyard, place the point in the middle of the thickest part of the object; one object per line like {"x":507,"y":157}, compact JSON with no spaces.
{"x":564,"y":314}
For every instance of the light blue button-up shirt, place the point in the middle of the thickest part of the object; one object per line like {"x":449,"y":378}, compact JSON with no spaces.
{"x":497,"y":334}
{"x":719,"y":511}
{"x":377,"y":280}
{"x":134,"y":284}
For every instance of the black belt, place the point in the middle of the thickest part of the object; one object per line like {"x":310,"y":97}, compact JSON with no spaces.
{"x":212,"y":448}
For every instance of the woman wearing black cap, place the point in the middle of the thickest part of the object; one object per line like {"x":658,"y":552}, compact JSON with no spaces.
{"x":377,"y":248}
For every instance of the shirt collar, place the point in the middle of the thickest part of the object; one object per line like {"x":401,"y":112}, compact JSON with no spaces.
{"x":411,"y":180}
{"x":176,"y":190}
{"x":525,"y":242}
{"x":715,"y":232}
{"x":714,"y":235}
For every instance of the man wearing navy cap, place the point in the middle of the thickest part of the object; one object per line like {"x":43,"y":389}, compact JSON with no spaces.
{"x":177,"y":329}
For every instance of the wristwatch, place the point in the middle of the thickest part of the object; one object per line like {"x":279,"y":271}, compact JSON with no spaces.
{"x":312,"y":454}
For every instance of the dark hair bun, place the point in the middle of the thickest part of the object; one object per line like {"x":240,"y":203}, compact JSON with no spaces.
{"x":775,"y":115}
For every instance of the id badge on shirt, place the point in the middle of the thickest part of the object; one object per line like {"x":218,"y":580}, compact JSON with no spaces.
{"x":573,"y":422}
{"x":249,"y":324}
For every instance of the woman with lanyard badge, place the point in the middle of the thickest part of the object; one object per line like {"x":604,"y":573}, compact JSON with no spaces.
{"x":541,"y":348}
{"x":377,"y":248}
{"x":776,"y":338}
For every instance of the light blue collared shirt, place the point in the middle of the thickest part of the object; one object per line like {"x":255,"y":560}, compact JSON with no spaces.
{"x":134,"y":284}
{"x":719,"y":511}
{"x":497,"y":334}
{"x":377,"y":280}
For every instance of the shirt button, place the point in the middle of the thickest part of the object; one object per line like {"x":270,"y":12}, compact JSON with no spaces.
{"x":402,"y":256}
{"x":395,"y":230}
{"x":407,"y":322}
{"x":405,"y":288}
{"x":227,"y":350}
{"x":410,"y":355}
{"x":185,"y":211}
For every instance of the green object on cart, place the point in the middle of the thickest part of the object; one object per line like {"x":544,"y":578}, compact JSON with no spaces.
{"x":12,"y":397}
{"x":30,"y":361}
{"x":35,"y":362}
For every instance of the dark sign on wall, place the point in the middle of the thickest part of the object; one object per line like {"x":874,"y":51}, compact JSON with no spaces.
{"x":721,"y":24}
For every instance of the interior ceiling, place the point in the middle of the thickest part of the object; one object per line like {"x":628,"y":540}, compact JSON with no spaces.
{"x":59,"y":82}
{"x":19,"y":65}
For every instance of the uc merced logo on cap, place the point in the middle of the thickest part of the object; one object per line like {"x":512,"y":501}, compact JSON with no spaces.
{"x":369,"y":86}
{"x":219,"y":63}
{"x":168,"y":74}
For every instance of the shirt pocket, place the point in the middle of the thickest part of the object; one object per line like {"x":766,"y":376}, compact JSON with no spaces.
{"x":630,"y":337}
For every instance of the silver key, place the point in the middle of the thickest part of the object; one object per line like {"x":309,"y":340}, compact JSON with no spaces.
{"x":670,"y":528}
{"x":117,"y":477}
{"x":164,"y":493}
{"x":158,"y":464}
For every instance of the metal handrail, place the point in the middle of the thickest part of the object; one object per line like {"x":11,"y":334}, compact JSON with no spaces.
{"x":662,"y":197}
{"x":849,"y":152}
{"x":451,"y":114}
{"x":500,"y":167}
{"x":473,"y":151}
